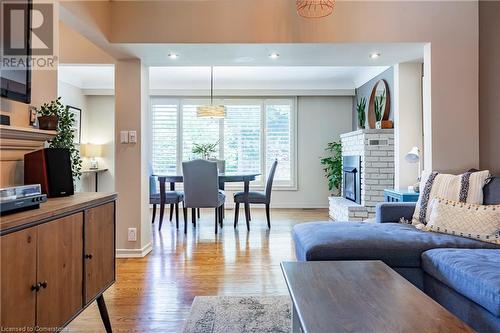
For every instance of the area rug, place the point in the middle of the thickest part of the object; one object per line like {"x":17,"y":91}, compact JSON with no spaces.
{"x":212,"y":314}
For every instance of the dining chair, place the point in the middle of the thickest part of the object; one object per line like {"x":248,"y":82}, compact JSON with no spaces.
{"x":255,"y":198}
{"x":172,"y":198}
{"x":201,"y":190}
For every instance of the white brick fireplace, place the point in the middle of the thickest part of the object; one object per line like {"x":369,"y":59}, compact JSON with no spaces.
{"x":376,"y":150}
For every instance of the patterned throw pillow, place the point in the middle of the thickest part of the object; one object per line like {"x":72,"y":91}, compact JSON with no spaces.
{"x":467,"y":187}
{"x":481,"y":222}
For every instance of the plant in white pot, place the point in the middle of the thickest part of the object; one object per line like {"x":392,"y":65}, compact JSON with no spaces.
{"x":205,"y":150}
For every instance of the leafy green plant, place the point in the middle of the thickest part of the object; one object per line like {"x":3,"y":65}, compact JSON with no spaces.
{"x":65,"y":135}
{"x":360,"y":109}
{"x":332,"y":165}
{"x":378,"y":105}
{"x":205,"y":150}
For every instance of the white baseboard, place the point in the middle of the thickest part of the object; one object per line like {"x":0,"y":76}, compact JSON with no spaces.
{"x":134,"y":253}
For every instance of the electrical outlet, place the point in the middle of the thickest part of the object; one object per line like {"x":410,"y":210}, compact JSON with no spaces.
{"x":132,"y":234}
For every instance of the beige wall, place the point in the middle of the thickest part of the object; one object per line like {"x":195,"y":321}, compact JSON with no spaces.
{"x":408,"y":131}
{"x":489,"y":85}
{"x":131,"y":173}
{"x":451,"y":27}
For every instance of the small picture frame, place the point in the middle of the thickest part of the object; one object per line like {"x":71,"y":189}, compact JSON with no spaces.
{"x":33,"y":116}
{"x":77,"y":125}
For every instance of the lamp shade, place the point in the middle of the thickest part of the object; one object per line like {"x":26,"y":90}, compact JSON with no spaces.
{"x":211,"y":111}
{"x":413,"y":156}
{"x":91,"y":150}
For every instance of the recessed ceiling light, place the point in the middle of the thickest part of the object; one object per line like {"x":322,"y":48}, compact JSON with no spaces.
{"x":274,"y":55}
{"x":374,"y":55}
{"x":173,"y":56}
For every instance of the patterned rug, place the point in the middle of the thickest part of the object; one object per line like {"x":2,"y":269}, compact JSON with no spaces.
{"x":212,"y":314}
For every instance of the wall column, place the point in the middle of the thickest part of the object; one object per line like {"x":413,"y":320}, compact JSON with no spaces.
{"x":407,"y":120}
{"x":131,"y":110}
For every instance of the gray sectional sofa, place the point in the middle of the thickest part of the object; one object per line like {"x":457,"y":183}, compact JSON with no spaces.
{"x":461,"y":274}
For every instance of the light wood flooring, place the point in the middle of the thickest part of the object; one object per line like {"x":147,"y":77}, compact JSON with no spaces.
{"x":154,"y":294}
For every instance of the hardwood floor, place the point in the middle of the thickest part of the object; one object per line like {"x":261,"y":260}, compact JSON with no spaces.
{"x":154,"y":294}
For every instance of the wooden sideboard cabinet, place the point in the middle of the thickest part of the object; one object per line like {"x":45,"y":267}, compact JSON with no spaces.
{"x":56,"y":260}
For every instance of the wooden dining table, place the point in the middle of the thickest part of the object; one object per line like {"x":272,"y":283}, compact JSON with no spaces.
{"x":244,"y":178}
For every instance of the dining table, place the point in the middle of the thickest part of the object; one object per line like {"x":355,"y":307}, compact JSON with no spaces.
{"x":228,"y":177}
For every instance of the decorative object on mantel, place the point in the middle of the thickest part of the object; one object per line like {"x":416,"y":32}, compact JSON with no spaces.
{"x":315,"y":8}
{"x":205,"y":150}
{"x":4,"y":120}
{"x":91,"y":151}
{"x":211,"y":111}
{"x":413,"y":156}
{"x":381,"y":97}
{"x":332,"y":165}
{"x":32,"y":113}
{"x":361,"y":111}
{"x":64,"y":120}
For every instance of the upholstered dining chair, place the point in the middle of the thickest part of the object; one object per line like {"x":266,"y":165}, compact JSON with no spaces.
{"x":172,"y":198}
{"x":201,"y":190}
{"x":263,"y":198}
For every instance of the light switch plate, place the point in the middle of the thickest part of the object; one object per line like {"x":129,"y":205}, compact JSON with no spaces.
{"x":123,"y":136}
{"x":132,"y":136}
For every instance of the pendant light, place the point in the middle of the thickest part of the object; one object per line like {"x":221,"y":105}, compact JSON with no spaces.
{"x":211,"y":111}
{"x":314,"y":8}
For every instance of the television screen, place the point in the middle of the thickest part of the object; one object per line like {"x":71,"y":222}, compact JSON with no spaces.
{"x":15,"y":69}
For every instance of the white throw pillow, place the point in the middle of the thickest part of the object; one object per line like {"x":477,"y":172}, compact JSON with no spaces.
{"x":481,"y":222}
{"x":467,"y":187}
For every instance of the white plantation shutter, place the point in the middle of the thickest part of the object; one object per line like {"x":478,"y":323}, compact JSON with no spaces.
{"x":197,"y":130}
{"x":279,"y":139}
{"x":164,"y":135}
{"x":242,"y":137}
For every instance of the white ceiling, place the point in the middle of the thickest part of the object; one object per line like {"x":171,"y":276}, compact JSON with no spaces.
{"x":338,"y":54}
{"x":88,"y":76}
{"x":248,"y":66}
{"x":261,"y":78}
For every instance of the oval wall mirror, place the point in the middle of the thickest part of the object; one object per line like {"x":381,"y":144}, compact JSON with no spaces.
{"x":381,"y":88}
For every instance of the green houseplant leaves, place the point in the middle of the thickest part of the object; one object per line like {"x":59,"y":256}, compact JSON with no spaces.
{"x":332,"y":165}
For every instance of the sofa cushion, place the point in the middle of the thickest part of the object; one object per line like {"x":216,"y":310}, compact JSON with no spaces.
{"x":474,"y":273}
{"x":398,"y":245}
{"x":491,"y":191}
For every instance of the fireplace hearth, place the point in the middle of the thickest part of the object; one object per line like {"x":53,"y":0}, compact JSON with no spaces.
{"x":351,"y":168}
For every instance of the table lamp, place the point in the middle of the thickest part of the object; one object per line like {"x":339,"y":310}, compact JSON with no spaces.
{"x":92,"y":151}
{"x":413,"y":156}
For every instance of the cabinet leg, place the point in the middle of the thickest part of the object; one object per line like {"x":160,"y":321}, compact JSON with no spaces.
{"x":104,"y":313}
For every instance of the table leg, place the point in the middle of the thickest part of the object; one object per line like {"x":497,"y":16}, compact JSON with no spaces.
{"x":247,"y":205}
{"x":295,"y":321}
{"x":97,"y":181}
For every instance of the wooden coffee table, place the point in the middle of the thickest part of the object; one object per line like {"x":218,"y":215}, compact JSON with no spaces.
{"x":361,"y":296}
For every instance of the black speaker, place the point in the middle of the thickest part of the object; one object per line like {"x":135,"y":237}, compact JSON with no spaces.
{"x":51,"y":168}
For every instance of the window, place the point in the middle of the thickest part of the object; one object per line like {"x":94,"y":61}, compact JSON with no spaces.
{"x":164,"y":130}
{"x":253,"y":134}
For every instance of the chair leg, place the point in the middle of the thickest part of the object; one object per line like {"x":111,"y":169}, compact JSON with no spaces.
{"x":171,"y":211}
{"x":193,"y":216}
{"x":162,"y":212}
{"x":185,"y":213}
{"x":247,"y":215}
{"x":221,"y":216}
{"x":177,"y":215}
{"x":236,"y":212}
{"x":268,"y":217}
{"x":154,"y":213}
{"x":216,"y":219}
{"x":198,"y":212}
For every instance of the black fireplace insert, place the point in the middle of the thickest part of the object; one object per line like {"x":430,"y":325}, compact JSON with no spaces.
{"x":351,"y":168}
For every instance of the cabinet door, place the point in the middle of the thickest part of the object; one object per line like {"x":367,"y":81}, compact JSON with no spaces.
{"x":60,"y":270}
{"x":18,"y":275}
{"x":99,"y":249}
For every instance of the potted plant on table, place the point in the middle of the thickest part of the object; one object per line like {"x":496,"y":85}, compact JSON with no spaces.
{"x":360,"y":109}
{"x":332,"y":165}
{"x":56,"y":113}
{"x":205,"y":150}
